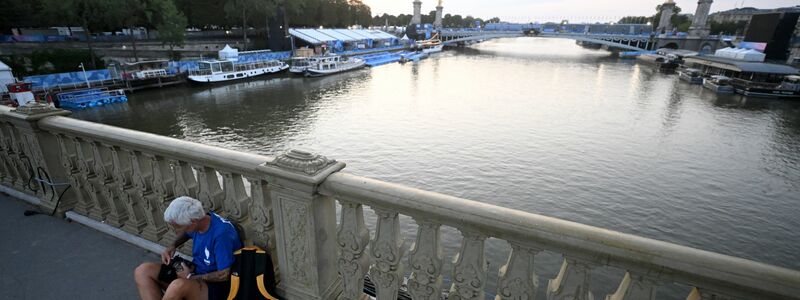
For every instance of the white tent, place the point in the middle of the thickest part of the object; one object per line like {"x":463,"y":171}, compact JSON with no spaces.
{"x":228,"y":53}
{"x":752,"y":55}
{"x":6,"y":77}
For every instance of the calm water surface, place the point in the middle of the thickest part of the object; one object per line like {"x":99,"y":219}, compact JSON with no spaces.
{"x":538,"y":125}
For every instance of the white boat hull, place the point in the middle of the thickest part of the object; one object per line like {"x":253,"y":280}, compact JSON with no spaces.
{"x":313,"y":72}
{"x":236,"y":75}
{"x":433,"y":49}
{"x":719,"y":89}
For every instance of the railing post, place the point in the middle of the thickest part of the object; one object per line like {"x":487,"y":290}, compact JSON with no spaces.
{"x":305,"y":225}
{"x":39,"y":152}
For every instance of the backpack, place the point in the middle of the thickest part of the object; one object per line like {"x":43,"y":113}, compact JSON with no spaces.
{"x":252,"y":275}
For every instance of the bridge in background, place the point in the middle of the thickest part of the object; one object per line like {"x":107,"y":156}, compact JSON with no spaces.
{"x":617,"y":40}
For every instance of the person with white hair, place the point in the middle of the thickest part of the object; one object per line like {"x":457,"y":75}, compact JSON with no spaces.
{"x":207,"y":276}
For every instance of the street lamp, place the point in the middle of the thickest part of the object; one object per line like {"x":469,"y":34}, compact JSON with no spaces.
{"x":84,"y":76}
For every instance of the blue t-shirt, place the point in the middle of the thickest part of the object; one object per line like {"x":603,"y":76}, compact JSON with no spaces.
{"x":213,"y":249}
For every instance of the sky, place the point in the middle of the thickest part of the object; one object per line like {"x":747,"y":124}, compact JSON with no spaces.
{"x":555,"y":10}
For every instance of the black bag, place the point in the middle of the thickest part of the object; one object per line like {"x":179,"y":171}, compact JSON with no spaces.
{"x":252,"y":275}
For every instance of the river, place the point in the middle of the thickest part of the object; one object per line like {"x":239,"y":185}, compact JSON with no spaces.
{"x":539,"y":125}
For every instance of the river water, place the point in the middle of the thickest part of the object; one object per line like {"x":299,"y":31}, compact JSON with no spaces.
{"x":538,"y":125}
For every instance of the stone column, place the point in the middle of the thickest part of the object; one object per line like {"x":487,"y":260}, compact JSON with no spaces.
{"x":417,"y":18}
{"x":700,"y":26}
{"x":42,"y":154}
{"x":305,"y":225}
{"x":438,"y":22}
{"x":665,"y":24}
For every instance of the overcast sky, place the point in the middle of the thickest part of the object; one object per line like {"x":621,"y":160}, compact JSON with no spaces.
{"x":574,"y":10}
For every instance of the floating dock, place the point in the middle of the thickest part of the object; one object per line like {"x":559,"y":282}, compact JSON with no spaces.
{"x":87,"y":98}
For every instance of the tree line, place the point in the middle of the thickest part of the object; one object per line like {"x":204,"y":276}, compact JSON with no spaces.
{"x":448,"y":20}
{"x":683,"y":22}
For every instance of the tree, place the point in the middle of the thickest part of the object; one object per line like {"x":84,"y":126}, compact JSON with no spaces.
{"x":92,"y":15}
{"x":729,"y":28}
{"x":15,"y":14}
{"x":171,"y":25}
{"x":677,"y":20}
{"x":634,"y":20}
{"x":241,"y":10}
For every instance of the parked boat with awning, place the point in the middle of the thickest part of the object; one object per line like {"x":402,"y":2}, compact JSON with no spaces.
{"x":749,"y":78}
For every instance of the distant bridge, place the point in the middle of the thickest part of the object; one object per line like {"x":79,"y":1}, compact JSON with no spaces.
{"x":632,"y":42}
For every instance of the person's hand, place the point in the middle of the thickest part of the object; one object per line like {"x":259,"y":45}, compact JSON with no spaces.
{"x":166,"y":256}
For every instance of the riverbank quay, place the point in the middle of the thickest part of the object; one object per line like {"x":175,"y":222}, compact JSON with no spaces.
{"x":47,"y":257}
{"x":288,"y":204}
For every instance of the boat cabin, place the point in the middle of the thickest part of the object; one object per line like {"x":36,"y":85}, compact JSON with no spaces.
{"x":208,"y":67}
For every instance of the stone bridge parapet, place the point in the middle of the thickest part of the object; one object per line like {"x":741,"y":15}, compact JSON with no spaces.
{"x":288,"y":205}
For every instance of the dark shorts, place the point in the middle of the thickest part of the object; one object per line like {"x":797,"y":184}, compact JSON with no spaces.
{"x":216,"y":290}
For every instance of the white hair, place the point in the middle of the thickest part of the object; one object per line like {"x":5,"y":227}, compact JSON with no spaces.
{"x":183,"y":210}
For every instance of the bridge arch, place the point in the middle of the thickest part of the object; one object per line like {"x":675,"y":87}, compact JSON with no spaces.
{"x":671,"y":45}
{"x":706,"y":48}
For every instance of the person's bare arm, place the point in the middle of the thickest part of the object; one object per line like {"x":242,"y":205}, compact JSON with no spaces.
{"x":166,"y":256}
{"x":216,"y":276}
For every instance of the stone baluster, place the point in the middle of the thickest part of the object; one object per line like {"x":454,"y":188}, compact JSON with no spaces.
{"x":16,"y":174}
{"x":104,"y":183}
{"x":635,"y":286}
{"x":470,"y":269}
{"x":353,"y":238}
{"x":147,"y":212}
{"x":517,"y":279}
{"x":208,"y":190}
{"x":426,"y":262}
{"x":163,"y":184}
{"x":572,"y":281}
{"x":261,"y":228}
{"x":236,"y":202}
{"x":386,"y":250}
{"x":8,"y":176}
{"x":69,"y":162}
{"x":705,"y":294}
{"x":185,"y":182}
{"x":21,"y":161}
{"x":98,"y":209}
{"x":42,"y":153}
{"x":121,"y":177}
{"x":304,"y":225}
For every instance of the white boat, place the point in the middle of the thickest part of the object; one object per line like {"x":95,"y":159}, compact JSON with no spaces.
{"x":718,"y":83}
{"x":690,"y":75}
{"x":333,"y":64}
{"x":300,"y":64}
{"x":789,"y":87}
{"x":210,"y":71}
{"x":432,"y":45}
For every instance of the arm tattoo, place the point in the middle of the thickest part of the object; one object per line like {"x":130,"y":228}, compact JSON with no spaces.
{"x":216,"y":276}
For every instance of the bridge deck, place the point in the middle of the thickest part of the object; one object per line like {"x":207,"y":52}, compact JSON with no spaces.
{"x":48,"y":258}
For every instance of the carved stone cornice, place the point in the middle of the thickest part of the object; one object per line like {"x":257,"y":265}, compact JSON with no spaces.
{"x":301,"y":162}
{"x":301,"y":166}
{"x":36,"y":111}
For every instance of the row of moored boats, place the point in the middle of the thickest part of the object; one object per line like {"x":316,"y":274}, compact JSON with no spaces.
{"x":730,"y":70}
{"x":211,"y":71}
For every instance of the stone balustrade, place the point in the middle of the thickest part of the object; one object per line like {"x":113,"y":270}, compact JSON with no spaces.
{"x":288,"y":203}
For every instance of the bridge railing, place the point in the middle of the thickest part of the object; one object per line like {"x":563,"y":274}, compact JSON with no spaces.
{"x":287,"y":203}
